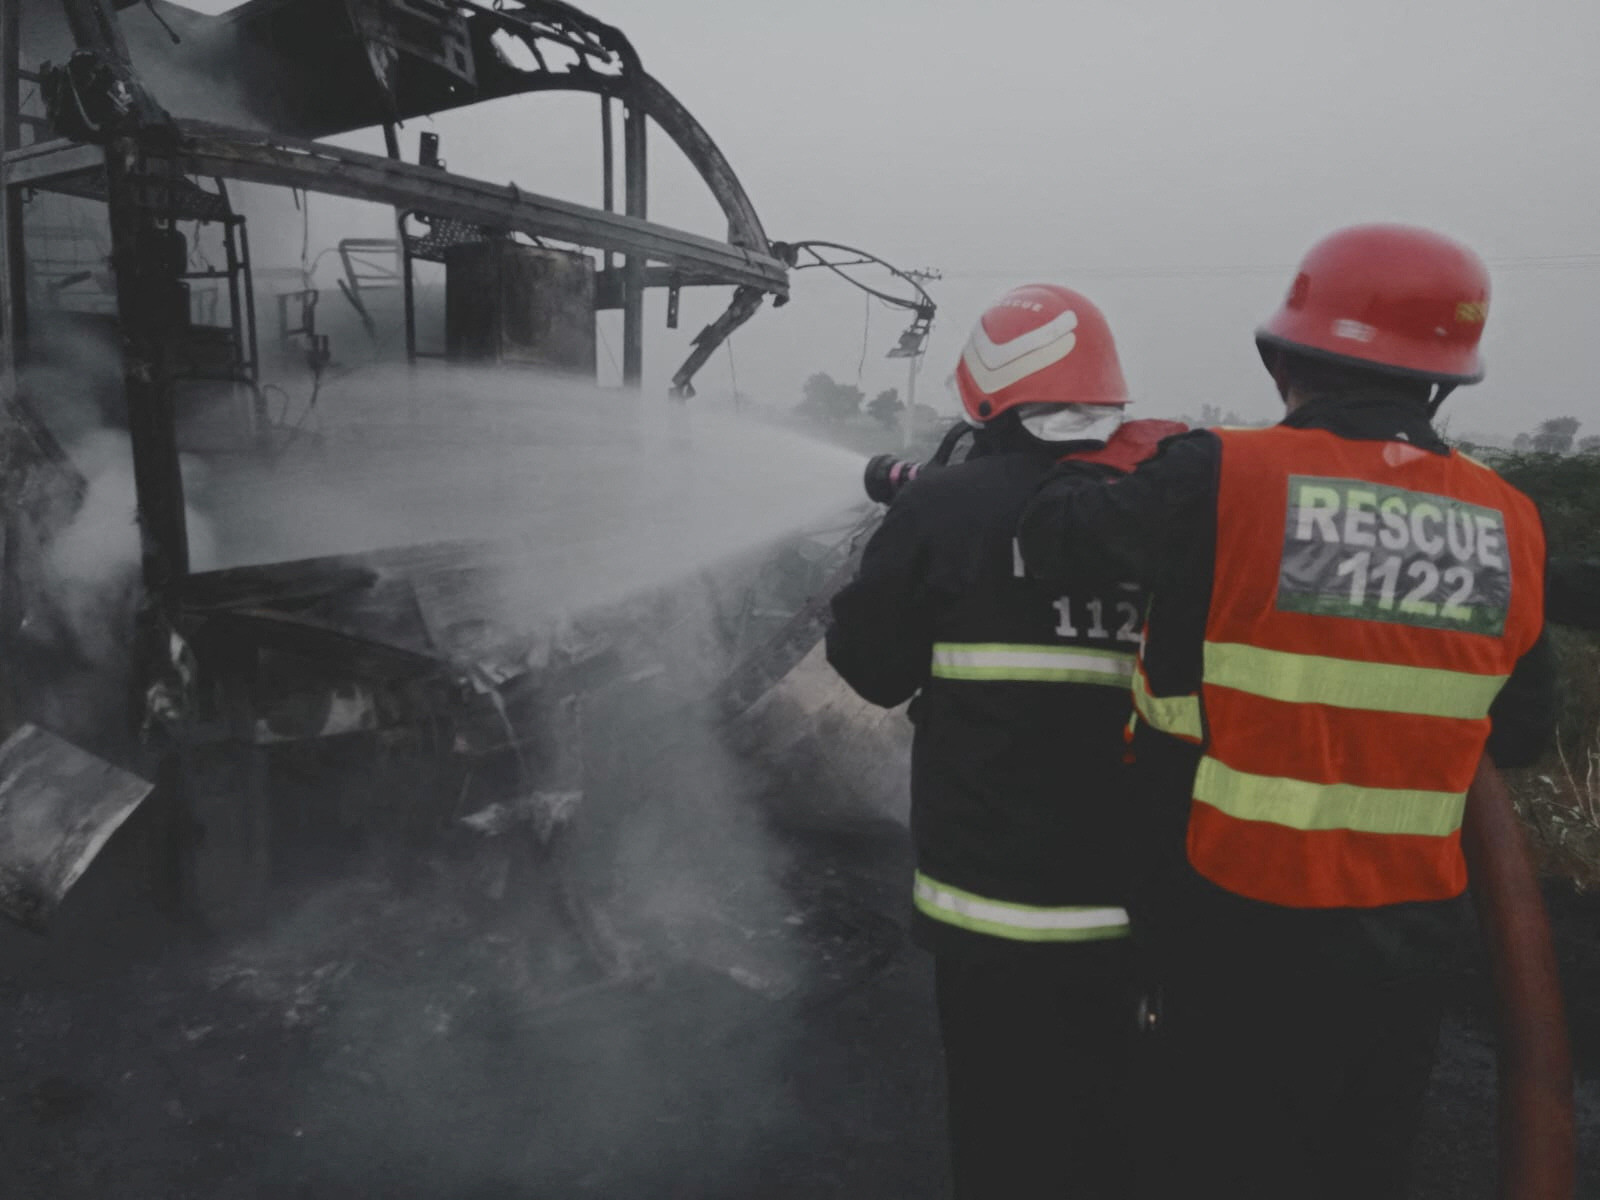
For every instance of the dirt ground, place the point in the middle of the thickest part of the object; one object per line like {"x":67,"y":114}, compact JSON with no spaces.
{"x":384,"y":1039}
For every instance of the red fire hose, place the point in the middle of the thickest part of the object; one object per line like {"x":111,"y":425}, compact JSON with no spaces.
{"x":1536,"y":1140}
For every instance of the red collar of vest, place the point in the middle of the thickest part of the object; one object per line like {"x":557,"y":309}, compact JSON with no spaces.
{"x":1130,"y":445}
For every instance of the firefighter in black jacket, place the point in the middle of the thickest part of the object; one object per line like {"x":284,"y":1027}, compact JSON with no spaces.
{"x":1017,"y":793}
{"x":1345,"y":618}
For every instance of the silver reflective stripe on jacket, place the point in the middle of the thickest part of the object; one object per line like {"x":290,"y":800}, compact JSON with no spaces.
{"x":987,"y":661}
{"x":1019,"y":922}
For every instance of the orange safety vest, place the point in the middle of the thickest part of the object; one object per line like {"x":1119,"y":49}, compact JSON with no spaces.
{"x":1370,"y":599}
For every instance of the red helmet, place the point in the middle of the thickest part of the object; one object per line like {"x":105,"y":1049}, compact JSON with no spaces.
{"x":1039,"y":344}
{"x":1399,"y":299}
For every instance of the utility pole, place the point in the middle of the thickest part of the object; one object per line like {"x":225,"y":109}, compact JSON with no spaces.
{"x":921,"y":276}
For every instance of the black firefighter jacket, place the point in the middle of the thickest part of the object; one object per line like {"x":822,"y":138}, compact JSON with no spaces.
{"x":1017,"y":780}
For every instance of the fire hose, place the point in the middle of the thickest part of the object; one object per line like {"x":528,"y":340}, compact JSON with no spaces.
{"x":1535,"y":1118}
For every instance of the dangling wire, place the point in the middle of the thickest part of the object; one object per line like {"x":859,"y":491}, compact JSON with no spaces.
{"x":304,"y":202}
{"x":606,"y":342}
{"x":162,"y":21}
{"x":866,"y":326}
{"x":733,"y":372}
{"x":813,"y":248}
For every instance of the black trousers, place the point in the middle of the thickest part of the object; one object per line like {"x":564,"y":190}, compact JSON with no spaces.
{"x":1036,"y":1057}
{"x":1308,"y":1086}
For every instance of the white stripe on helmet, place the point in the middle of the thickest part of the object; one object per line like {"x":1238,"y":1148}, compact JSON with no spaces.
{"x":994,"y":366}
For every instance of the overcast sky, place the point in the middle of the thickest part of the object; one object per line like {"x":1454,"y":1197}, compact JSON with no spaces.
{"x":1170,"y":159}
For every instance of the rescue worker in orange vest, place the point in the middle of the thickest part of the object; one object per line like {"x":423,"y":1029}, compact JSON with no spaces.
{"x":1017,"y":783}
{"x":1345,"y":614}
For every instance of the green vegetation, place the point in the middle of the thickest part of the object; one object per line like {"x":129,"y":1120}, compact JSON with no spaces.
{"x":825,"y":399}
{"x":1567,"y":490}
{"x":840,"y":413}
{"x":1554,"y":436}
{"x":1561,"y":796}
{"x":886,"y":407}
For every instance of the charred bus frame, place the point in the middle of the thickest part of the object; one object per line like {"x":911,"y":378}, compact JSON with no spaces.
{"x":106,"y":138}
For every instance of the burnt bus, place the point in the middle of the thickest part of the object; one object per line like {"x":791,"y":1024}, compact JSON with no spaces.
{"x":292,"y":645}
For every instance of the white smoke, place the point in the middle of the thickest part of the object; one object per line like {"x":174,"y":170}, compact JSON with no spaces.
{"x":91,"y":568}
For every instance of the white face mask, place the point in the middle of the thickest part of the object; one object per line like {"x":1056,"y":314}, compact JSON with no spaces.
{"x":1072,"y":422}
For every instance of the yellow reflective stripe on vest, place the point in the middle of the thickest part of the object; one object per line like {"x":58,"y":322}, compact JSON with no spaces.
{"x":1170,"y":714}
{"x":1031,"y":664}
{"x":1020,"y":922}
{"x":1301,"y":805}
{"x":1348,"y":683}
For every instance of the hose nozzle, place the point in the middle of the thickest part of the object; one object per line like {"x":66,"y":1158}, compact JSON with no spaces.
{"x":886,"y":475}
